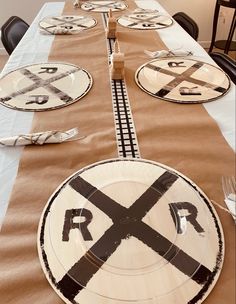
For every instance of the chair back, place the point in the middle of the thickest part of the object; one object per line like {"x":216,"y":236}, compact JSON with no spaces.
{"x":227,"y":3}
{"x":226,"y":63}
{"x":187,"y":23}
{"x":12,"y":31}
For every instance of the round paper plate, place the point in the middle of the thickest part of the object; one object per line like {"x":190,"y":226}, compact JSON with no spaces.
{"x":45,"y":86}
{"x":145,"y":20}
{"x":182,"y":80}
{"x":67,"y":24}
{"x":103,"y":6}
{"x":130,"y":231}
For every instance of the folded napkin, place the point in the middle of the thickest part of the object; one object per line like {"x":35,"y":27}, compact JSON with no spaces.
{"x":144,"y":10}
{"x":59,"y":31}
{"x":169,"y":53}
{"x":41,"y":138}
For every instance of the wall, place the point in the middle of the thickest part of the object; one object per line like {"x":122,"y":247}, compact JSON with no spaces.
{"x":26,"y":9}
{"x":200,"y":10}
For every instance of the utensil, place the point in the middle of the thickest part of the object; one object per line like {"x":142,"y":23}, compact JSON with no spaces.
{"x":229,"y":189}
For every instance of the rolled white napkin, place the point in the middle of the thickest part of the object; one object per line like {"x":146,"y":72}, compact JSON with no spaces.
{"x":58,"y":31}
{"x":41,"y":138}
{"x":144,"y":10}
{"x":61,"y":32}
{"x":168,"y":53}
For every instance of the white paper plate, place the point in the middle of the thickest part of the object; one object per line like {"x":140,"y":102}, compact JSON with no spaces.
{"x":67,"y":24}
{"x":103,"y":6}
{"x":145,"y":20}
{"x":130,"y":231}
{"x":182,"y":80}
{"x":45,"y":86}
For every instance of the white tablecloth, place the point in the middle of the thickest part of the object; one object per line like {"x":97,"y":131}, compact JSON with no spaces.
{"x":35,"y":47}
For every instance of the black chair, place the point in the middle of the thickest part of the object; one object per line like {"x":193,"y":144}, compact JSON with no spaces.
{"x":226,"y":63}
{"x":187,"y":23}
{"x":12,"y":31}
{"x":226,"y":45}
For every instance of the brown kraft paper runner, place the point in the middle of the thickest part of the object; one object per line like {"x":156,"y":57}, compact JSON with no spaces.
{"x":195,"y":147}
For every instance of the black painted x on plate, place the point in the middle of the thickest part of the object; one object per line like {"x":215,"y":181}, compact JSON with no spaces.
{"x":106,"y":5}
{"x":185,"y":76}
{"x":127,"y":222}
{"x":39,"y":82}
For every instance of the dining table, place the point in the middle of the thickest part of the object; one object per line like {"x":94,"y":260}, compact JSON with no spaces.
{"x":117,"y":198}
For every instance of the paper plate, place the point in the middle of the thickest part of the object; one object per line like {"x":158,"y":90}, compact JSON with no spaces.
{"x":145,"y":20}
{"x":130,"y":231}
{"x":103,"y":6}
{"x":45,"y":86}
{"x":67,"y":24}
{"x":182,"y":80}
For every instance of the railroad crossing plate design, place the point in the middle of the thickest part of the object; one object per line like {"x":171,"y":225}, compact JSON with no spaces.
{"x":67,"y":24}
{"x":103,"y":6}
{"x":130,"y":231}
{"x":44,"y":86}
{"x":145,"y":20}
{"x":182,"y":80}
